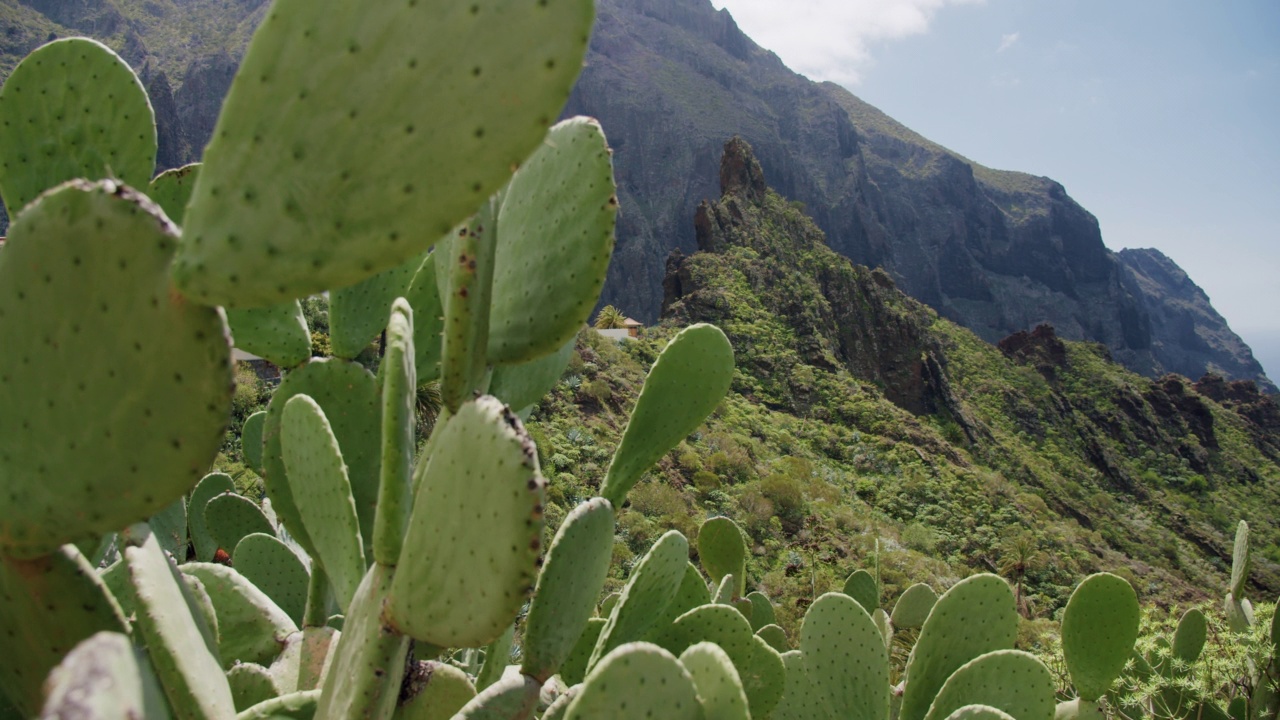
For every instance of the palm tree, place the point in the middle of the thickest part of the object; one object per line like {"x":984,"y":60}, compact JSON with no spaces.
{"x":427,"y":406}
{"x":1019,"y":555}
{"x":610,"y":318}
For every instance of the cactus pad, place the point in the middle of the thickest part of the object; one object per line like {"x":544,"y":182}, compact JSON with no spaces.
{"x":687,"y":382}
{"x":1010,"y":680}
{"x":574,"y":669}
{"x":84,"y":275}
{"x":719,"y":688}
{"x":300,"y":705}
{"x":357,"y":313}
{"x":348,"y":394}
{"x":319,"y":485}
{"x":913,"y":606}
{"x":399,"y":414}
{"x":170,"y":528}
{"x":368,"y":663}
{"x":47,"y":606}
{"x":104,"y":677}
{"x":862,"y":587}
{"x":761,"y":610}
{"x":475,"y":531}
{"x":575,"y":570}
{"x":800,"y":699}
{"x":251,"y":440}
{"x":637,"y":681}
{"x":979,"y":712}
{"x":251,"y":628}
{"x":974,"y":617}
{"x":845,"y":658}
{"x":523,"y":385}
{"x":428,"y":320}
{"x":692,"y":593}
{"x":209,"y":487}
{"x":426,"y":108}
{"x":759,"y":666}
{"x":512,"y":697}
{"x":1240,"y":561}
{"x":171,"y":190}
{"x":1189,"y":638}
{"x":555,"y":236}
{"x":654,"y":581}
{"x":723,"y":594}
{"x":230,"y":517}
{"x":723,"y":551}
{"x":434,"y":691}
{"x":775,"y":636}
{"x":1099,"y":627}
{"x":191,"y":676}
{"x":73,"y":109}
{"x":276,"y":333}
{"x":250,"y":684}
{"x":271,"y":566}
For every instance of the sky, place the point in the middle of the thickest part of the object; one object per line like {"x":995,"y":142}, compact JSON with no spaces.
{"x":1161,"y":117}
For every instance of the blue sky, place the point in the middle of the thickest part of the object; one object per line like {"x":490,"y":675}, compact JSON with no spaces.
{"x":1160,"y":117}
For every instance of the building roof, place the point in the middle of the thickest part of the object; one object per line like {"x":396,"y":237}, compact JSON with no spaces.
{"x":632,"y":323}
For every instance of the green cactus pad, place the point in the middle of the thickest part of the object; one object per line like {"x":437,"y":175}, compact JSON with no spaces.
{"x":368,"y":664}
{"x":299,"y":705}
{"x":979,"y":712}
{"x":1099,"y":627}
{"x":202,"y":610}
{"x":575,"y":570}
{"x":434,"y":691}
{"x":637,"y":681}
{"x":1079,"y":709}
{"x":558,"y":708}
{"x":1189,"y":638}
{"x":719,"y":688}
{"x":275,"y":570}
{"x":654,"y":582}
{"x":764,"y":677}
{"x":170,"y":528}
{"x":427,"y":108}
{"x":315,"y":655}
{"x":47,"y":606}
{"x":845,"y":658}
{"x":357,"y":313}
{"x":1239,"y":614}
{"x":319,"y":485}
{"x":723,"y":551}
{"x":250,"y":684}
{"x":428,"y":320}
{"x":555,"y":236}
{"x":73,"y":109}
{"x":761,"y":610}
{"x":399,"y":413}
{"x":610,"y":601}
{"x":251,"y":440}
{"x":862,"y":587}
{"x":115,"y":578}
{"x":191,"y":676}
{"x":692,"y":593}
{"x":1240,"y":561}
{"x":468,"y":262}
{"x":497,"y":655}
{"x":84,"y":275}
{"x":229,"y":518}
{"x":913,"y":606}
{"x":775,"y":636}
{"x":759,"y":666}
{"x":286,"y":668}
{"x":1010,"y":680}
{"x":884,"y":624}
{"x":800,"y":699}
{"x":475,"y":530}
{"x":251,"y":628}
{"x":723,"y":594}
{"x":525,"y":384}
{"x":104,"y":677}
{"x":210,"y":486}
{"x":687,"y":382}
{"x":512,"y":697}
{"x":277,"y":333}
{"x":171,"y":190}
{"x":348,"y":394}
{"x":574,"y":669}
{"x":974,"y":617}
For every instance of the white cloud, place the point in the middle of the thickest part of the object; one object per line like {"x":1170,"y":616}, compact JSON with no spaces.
{"x":1007,"y":41}
{"x":832,"y":39}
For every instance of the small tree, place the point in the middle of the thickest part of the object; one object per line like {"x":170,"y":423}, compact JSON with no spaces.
{"x":610,"y":318}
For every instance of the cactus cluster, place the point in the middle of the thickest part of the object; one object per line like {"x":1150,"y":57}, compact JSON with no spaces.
{"x":403,"y":158}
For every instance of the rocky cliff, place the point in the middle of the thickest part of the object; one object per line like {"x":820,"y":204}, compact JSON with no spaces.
{"x":671,"y":80}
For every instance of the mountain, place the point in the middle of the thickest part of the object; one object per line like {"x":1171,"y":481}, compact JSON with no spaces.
{"x":859,"y":418}
{"x":671,"y":80}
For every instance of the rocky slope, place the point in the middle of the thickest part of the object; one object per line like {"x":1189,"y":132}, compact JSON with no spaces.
{"x":1145,"y":473}
{"x":671,"y":80}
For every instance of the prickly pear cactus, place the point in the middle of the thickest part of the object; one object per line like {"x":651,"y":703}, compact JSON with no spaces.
{"x":723,"y":552}
{"x":845,"y":658}
{"x":1099,"y":627}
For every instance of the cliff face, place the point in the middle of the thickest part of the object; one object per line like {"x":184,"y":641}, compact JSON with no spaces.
{"x":671,"y":80}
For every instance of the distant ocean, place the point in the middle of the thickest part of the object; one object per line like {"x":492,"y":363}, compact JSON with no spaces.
{"x":1265,"y":343}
